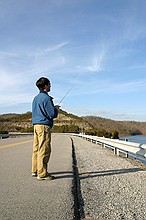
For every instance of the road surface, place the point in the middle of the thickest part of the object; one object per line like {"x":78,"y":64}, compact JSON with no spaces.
{"x":23,"y":197}
{"x":91,"y":183}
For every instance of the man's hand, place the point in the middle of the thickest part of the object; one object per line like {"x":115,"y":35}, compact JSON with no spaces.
{"x":57,"y":106}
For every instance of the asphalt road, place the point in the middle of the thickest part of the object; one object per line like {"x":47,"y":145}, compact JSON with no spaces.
{"x":24,"y":197}
{"x":91,"y":183}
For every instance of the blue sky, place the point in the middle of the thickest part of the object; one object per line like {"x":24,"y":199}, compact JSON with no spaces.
{"x":96,"y":46}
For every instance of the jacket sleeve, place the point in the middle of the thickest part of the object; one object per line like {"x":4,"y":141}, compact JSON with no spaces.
{"x":51,"y":111}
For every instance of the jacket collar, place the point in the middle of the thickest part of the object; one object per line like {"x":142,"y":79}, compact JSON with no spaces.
{"x":42,"y":91}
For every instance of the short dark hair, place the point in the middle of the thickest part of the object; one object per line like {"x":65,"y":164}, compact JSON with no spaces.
{"x":42,"y":82}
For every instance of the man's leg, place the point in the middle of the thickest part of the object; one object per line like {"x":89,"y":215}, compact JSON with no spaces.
{"x":35,"y":151}
{"x":44,"y":151}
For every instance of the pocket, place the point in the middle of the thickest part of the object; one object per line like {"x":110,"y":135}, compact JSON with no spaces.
{"x":40,"y":130}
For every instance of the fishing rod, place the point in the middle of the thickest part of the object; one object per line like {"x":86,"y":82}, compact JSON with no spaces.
{"x":65,"y":95}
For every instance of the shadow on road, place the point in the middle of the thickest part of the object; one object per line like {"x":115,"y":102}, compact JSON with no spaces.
{"x":62,"y":174}
{"x":69,"y":174}
{"x":108,"y":173}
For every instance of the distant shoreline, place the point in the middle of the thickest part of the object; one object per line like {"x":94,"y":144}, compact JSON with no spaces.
{"x":135,"y":138}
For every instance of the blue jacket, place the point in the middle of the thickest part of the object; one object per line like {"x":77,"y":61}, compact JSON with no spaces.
{"x":43,"y":110}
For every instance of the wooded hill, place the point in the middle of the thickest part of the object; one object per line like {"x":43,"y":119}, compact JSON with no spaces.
{"x":123,"y":127}
{"x":67,"y":122}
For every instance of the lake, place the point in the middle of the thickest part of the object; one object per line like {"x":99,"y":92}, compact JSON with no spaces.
{"x":135,"y":138}
{"x":141,"y":139}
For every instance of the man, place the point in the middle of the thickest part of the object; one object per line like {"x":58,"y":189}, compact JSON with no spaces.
{"x":43,"y":113}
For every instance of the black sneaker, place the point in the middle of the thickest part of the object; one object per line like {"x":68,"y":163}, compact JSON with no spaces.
{"x":34,"y":174}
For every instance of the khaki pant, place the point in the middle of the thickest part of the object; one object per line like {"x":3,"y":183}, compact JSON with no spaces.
{"x":41,"y":149}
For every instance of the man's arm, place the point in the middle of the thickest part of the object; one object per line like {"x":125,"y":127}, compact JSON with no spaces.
{"x":51,"y":110}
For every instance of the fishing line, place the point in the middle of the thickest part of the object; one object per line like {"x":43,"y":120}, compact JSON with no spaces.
{"x":65,"y":95}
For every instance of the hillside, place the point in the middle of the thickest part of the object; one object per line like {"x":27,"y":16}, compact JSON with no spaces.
{"x":67,"y":122}
{"x":123,"y":127}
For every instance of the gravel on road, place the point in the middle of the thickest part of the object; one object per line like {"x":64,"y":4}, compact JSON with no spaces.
{"x":111,"y":187}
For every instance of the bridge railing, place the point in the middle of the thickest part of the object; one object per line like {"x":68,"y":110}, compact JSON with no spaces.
{"x":128,"y":148}
{"x":14,"y":135}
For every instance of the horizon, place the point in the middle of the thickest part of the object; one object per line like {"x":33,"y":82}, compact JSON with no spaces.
{"x":74,"y":115}
{"x":97,"y":47}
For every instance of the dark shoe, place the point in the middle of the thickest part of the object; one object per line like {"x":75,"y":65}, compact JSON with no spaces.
{"x":47,"y":177}
{"x":34,"y":174}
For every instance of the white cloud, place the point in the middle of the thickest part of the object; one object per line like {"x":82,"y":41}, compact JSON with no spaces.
{"x":92,"y":86}
{"x":29,"y":62}
{"x":49,"y":49}
{"x":56,"y":47}
{"x":16,"y":98}
{"x":131,"y":86}
{"x":96,"y":63}
{"x":14,"y":89}
{"x":139,"y":66}
{"x":8,"y":81}
{"x":6,"y":55}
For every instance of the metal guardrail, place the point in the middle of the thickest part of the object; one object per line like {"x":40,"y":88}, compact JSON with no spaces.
{"x":4,"y":136}
{"x":128,"y":148}
{"x":14,"y":135}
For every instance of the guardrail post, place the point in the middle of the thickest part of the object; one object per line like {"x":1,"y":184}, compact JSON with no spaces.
{"x":127,"y":154}
{"x":115,"y":150}
{"x":103,"y":145}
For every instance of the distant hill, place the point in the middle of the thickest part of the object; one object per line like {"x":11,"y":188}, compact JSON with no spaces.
{"x":123,"y":127}
{"x":67,"y":122}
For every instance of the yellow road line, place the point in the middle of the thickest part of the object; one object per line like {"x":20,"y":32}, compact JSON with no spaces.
{"x":14,"y":144}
